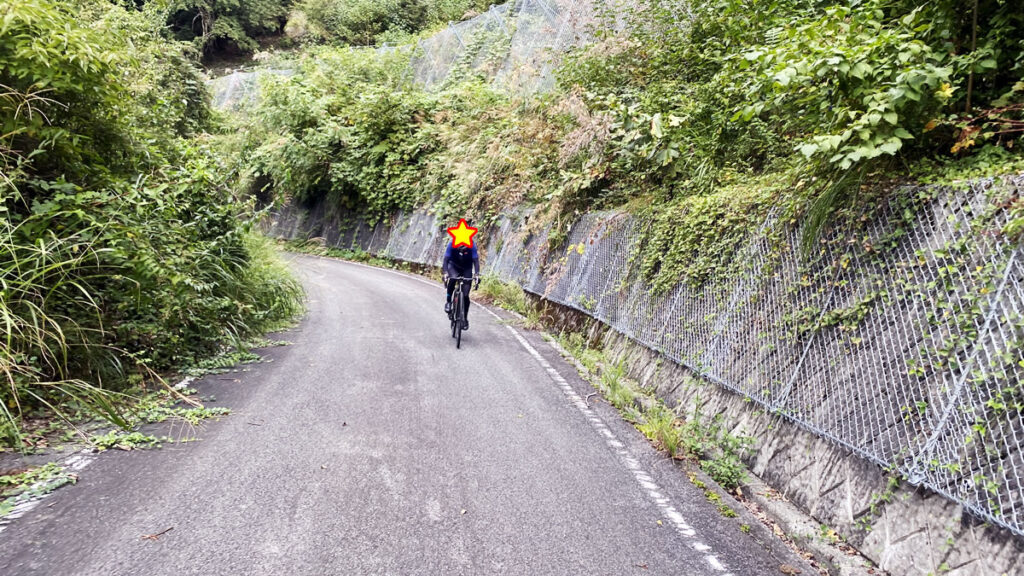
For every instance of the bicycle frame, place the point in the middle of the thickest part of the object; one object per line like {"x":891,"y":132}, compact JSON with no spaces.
{"x":458,"y":313}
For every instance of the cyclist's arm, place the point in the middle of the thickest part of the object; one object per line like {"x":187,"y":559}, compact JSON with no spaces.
{"x":476,"y":266}
{"x":447,"y":259}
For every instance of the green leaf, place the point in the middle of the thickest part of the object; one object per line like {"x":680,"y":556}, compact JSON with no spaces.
{"x":860,"y":70}
{"x":656,"y":127}
{"x":891,"y":146}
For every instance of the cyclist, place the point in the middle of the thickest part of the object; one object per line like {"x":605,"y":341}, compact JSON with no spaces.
{"x":465,"y":262}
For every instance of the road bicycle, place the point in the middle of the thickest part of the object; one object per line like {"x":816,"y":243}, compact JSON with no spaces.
{"x":458,"y":310}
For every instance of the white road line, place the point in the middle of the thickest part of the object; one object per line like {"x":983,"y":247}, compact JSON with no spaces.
{"x":654,"y":492}
{"x":644,"y":480}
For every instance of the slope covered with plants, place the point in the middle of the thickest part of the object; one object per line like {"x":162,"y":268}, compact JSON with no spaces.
{"x":219,"y":27}
{"x":705,"y":114}
{"x":123,"y":249}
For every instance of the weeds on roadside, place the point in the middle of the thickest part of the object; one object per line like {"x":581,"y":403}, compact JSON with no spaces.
{"x":125,"y":440}
{"x":706,"y":440}
{"x":221,"y":363}
{"x":712,"y":497}
{"x":508,"y":296}
{"x":24,"y":486}
{"x":661,"y":426}
{"x":718,"y":452}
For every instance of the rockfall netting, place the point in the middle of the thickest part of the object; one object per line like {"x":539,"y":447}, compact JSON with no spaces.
{"x":238,"y":88}
{"x":900,"y":339}
{"x":516,"y":44}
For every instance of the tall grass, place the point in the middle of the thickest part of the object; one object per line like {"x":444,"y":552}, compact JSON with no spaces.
{"x":267,"y":288}
{"x":510,"y":297}
{"x":51,"y":322}
{"x":83,"y":315}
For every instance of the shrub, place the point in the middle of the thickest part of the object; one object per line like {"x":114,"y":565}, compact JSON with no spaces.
{"x":122,"y":248}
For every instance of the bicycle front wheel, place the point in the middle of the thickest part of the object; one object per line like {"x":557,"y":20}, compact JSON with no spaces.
{"x":453,"y":315}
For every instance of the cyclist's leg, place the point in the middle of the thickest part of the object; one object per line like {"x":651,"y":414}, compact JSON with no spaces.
{"x":451,"y":286}
{"x":465,"y":301}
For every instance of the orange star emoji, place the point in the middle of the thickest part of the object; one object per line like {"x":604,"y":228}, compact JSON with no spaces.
{"x":462,"y":235}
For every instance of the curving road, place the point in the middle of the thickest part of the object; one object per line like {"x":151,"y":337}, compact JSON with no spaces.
{"x":373,"y":446}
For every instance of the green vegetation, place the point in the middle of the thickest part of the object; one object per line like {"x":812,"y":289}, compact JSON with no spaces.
{"x":661,"y":427}
{"x":124,"y":251}
{"x":702,"y":125}
{"x":712,"y":497}
{"x":717,"y":451}
{"x":124,"y":441}
{"x":504,"y":294}
{"x":369,"y":22}
{"x":32,"y":483}
{"x":229,"y":28}
{"x":315,"y":246}
{"x":510,"y":297}
{"x":222,"y":25}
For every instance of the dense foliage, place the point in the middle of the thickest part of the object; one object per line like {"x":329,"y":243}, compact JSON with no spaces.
{"x":220,"y":27}
{"x":122,"y":249}
{"x":742,"y":86}
{"x":704,"y":116}
{"x":226,"y":25}
{"x":368,"y":22}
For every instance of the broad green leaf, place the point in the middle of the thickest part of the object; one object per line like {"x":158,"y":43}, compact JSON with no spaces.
{"x":656,"y":128}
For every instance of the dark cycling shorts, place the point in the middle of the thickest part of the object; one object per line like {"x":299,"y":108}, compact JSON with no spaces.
{"x":454,"y":272}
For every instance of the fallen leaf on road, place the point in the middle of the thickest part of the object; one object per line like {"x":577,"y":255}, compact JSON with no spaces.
{"x":644,"y":566}
{"x":659,"y":523}
{"x":155,"y":537}
{"x":788,"y":570}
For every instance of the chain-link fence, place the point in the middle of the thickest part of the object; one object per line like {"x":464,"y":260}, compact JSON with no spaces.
{"x":901,"y":339}
{"x":515,"y":44}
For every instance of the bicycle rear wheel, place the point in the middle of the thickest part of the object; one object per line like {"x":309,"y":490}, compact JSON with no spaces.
{"x":460,"y":313}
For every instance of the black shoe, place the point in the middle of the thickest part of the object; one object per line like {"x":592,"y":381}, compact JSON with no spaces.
{"x":465,"y":324}
{"x":447,"y":307}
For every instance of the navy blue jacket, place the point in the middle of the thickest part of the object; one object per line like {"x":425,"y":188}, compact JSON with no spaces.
{"x":463,"y":263}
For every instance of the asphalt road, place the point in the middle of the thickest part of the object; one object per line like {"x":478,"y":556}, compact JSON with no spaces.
{"x":372,"y":446}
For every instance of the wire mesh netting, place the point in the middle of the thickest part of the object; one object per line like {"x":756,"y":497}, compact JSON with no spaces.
{"x":516,"y":44}
{"x":239,"y":88}
{"x":900,"y":340}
